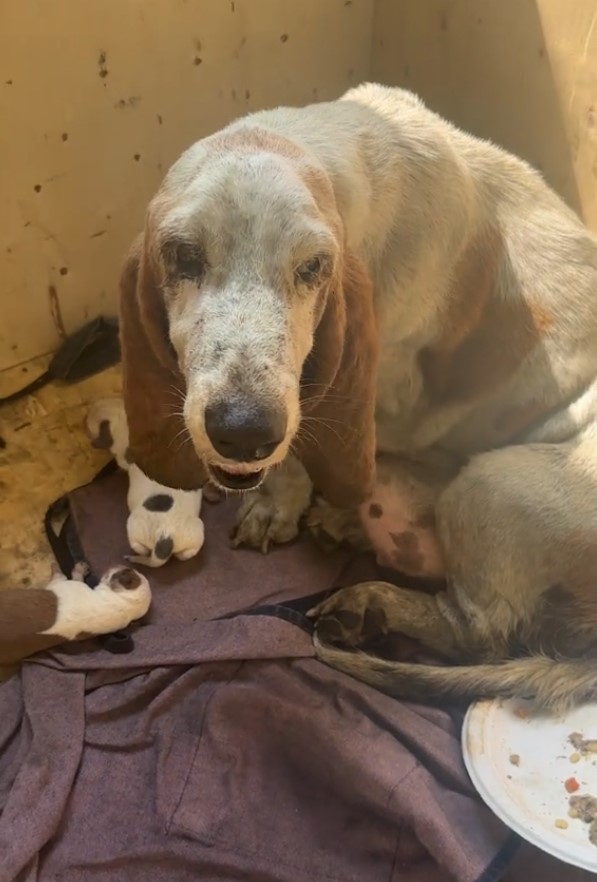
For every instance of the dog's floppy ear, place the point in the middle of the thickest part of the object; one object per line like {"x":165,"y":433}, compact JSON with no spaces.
{"x":153,"y":386}
{"x":336,"y":441}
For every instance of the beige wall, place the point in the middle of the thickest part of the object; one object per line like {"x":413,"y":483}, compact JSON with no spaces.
{"x":98,"y":97}
{"x":521,"y":72}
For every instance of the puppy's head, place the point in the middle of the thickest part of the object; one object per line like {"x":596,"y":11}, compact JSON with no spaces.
{"x":132,"y":588}
{"x":123,"y":579}
{"x":240,"y":290}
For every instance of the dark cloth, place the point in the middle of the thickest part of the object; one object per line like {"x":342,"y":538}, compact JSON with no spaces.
{"x":220,"y":749}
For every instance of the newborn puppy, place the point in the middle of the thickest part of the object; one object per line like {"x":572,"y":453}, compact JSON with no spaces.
{"x":162,"y":522}
{"x":122,"y":596}
{"x":34,"y":619}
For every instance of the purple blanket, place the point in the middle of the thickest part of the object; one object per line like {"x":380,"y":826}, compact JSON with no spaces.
{"x":219,"y":749}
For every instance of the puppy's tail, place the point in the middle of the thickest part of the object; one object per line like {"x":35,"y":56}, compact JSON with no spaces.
{"x":550,"y":683}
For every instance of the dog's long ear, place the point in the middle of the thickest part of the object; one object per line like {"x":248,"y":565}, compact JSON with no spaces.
{"x":153,"y":386}
{"x":336,"y":441}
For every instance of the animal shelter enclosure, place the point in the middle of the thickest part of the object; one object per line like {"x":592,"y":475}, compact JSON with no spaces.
{"x":98,"y":100}
{"x":109,"y":94}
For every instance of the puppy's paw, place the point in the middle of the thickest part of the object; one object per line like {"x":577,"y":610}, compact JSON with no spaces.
{"x":262,"y":521}
{"x":80,"y":571}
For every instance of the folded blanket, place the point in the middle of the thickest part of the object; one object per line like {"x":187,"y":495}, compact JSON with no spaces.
{"x":220,"y":749}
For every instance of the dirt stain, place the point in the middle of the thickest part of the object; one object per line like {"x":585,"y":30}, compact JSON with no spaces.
{"x":55,"y":311}
{"x":102,"y":64}
{"x":127,"y":103}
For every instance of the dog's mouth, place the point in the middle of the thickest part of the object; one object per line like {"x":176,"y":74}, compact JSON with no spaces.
{"x":236,"y":480}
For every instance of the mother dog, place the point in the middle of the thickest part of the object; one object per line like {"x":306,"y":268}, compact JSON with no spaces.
{"x":358,"y":297}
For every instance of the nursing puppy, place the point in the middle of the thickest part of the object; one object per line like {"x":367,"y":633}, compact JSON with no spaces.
{"x":162,"y":522}
{"x":33,"y":619}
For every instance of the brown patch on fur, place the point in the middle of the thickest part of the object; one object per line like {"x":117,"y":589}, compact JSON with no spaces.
{"x":128,"y":456}
{"x":149,"y":370}
{"x":339,"y":380}
{"x":484,"y":337}
{"x":542,"y":319}
{"x":375,"y":510}
{"x":104,"y":439}
{"x":125,"y":578}
{"x":255,"y":140}
{"x":24,"y":613}
{"x":407,"y":556}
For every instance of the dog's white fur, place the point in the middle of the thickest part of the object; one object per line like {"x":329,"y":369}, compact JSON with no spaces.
{"x":181,"y":523}
{"x":412,"y":192}
{"x":180,"y":526}
{"x":485,"y":294}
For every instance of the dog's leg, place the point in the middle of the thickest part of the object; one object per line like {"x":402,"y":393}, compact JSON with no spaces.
{"x":517,"y":528}
{"x":272,"y":513}
{"x":331,"y":526}
{"x":356,"y":615}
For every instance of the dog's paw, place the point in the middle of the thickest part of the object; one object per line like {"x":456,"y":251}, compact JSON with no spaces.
{"x":350,"y":617}
{"x":332,"y":527}
{"x":262,"y":521}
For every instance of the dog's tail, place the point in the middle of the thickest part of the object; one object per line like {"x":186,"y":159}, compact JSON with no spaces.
{"x":550,"y":683}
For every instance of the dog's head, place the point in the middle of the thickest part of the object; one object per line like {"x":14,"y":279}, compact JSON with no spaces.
{"x":247,"y":328}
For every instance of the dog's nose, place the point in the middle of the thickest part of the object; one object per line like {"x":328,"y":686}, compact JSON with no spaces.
{"x":243,"y":430}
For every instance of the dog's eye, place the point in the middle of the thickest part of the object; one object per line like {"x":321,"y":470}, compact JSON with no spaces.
{"x":309,"y":271}
{"x":190,"y":264}
{"x":184,"y":260}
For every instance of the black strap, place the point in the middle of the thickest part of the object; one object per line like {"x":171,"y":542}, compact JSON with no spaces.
{"x":294,"y":611}
{"x":57,"y":539}
{"x":29,"y":389}
{"x":67,"y":550}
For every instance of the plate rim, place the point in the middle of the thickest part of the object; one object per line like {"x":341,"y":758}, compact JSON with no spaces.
{"x":471,"y":727}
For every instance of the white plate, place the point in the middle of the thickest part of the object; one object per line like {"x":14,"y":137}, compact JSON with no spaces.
{"x":531,"y":796}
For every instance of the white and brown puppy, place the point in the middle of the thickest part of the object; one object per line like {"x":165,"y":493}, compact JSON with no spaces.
{"x":67,"y":609}
{"x":163,"y":522}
